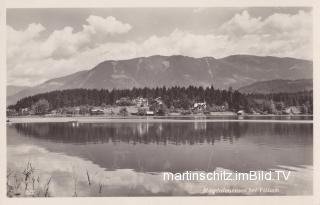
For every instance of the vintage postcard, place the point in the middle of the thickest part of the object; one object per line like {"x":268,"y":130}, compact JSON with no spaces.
{"x":134,"y":102}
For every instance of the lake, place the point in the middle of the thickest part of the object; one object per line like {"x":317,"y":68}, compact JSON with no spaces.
{"x":129,"y":158}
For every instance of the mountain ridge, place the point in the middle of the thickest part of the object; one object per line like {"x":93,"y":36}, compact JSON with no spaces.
{"x":280,"y":85}
{"x":232,"y":71}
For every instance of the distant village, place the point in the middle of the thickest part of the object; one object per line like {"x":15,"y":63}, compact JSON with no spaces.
{"x":140,"y":106}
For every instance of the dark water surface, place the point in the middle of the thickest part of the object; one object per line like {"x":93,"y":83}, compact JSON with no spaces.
{"x":133,"y":155}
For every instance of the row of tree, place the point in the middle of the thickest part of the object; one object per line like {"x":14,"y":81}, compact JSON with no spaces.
{"x":177,"y":97}
{"x":273,"y":103}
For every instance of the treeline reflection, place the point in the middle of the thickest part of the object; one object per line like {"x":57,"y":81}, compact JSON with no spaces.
{"x":164,"y":133}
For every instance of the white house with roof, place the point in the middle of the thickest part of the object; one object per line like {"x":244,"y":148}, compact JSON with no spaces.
{"x":141,"y":102}
{"x":200,"y":106}
{"x":292,"y":110}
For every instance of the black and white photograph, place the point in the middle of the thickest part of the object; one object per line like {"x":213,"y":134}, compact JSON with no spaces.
{"x":159,"y":101}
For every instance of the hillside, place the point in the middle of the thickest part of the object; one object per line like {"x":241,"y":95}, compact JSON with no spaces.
{"x":279,"y":85}
{"x":236,"y":71}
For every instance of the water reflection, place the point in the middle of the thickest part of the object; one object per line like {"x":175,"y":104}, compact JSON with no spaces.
{"x":127,"y":182}
{"x":135,"y":153}
{"x":157,"y":147}
{"x":196,"y":132}
{"x":175,"y":133}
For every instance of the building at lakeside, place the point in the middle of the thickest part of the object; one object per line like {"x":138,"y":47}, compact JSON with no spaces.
{"x":96,"y":111}
{"x":241,"y":112}
{"x":141,"y":102}
{"x":200,"y":106}
{"x":292,"y":110}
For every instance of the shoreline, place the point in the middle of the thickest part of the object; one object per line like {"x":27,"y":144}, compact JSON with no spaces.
{"x":86,"y":119}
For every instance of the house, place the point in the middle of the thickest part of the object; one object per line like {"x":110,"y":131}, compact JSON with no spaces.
{"x":200,"y":106}
{"x":292,"y":110}
{"x":241,"y":112}
{"x":158,"y":107}
{"x":111,"y":110}
{"x":150,"y":113}
{"x":218,"y":108}
{"x":141,"y":102}
{"x":96,"y":111}
{"x":159,"y":101}
{"x":24,"y":111}
{"x":54,"y":112}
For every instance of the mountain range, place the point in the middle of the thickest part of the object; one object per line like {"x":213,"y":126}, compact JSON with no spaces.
{"x":237,"y":71}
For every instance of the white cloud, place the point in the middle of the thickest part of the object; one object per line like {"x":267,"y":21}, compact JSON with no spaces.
{"x":277,"y":23}
{"x":288,"y":23}
{"x":32,"y":60}
{"x":62,"y":43}
{"x":17,"y":37}
{"x":17,"y":40}
{"x":109,"y":25}
{"x":282,"y":35}
{"x":241,"y":24}
{"x":65,"y":43}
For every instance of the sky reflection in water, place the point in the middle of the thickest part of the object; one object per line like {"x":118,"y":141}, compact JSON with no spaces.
{"x":128,"y":158}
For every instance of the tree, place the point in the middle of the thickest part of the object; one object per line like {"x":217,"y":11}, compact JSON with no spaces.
{"x":280,"y":106}
{"x":178,"y":97}
{"x":226,"y":105}
{"x":304,"y":109}
{"x":84,"y":110}
{"x":272,"y":108}
{"x":41,"y":107}
{"x":123,"y":111}
{"x":161,"y":111}
{"x":269,"y":106}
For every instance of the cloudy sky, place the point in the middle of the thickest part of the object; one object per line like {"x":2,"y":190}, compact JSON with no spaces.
{"x":47,"y":43}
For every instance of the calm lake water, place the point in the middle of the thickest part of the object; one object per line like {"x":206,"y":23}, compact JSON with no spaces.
{"x":128,"y":158}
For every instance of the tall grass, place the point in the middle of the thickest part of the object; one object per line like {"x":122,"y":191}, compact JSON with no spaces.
{"x":27,"y":183}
